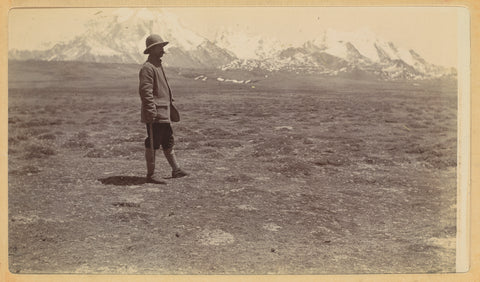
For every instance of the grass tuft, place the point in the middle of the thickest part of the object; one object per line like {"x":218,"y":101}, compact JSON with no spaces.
{"x":39,"y":151}
{"x":79,"y":140}
{"x":47,"y":136}
{"x":25,"y":170}
{"x":291,"y":167}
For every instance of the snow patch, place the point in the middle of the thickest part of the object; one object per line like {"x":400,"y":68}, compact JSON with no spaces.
{"x":221,"y":79}
{"x":271,"y":227}
{"x":201,"y":77}
{"x":234,"y":80}
{"x":247,"y":207}
{"x":284,"y":127}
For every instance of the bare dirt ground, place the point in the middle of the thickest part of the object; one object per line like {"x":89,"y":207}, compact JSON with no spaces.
{"x":289,"y":175}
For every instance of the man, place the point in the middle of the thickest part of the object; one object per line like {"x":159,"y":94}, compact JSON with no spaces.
{"x":156,"y":99}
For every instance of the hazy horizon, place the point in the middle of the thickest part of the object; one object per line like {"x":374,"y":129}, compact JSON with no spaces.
{"x":432,"y":32}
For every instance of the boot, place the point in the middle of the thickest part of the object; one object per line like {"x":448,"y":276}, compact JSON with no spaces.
{"x":177,"y":172}
{"x":150,"y":158}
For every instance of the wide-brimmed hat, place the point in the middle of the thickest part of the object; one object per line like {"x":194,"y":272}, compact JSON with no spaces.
{"x":153,"y":40}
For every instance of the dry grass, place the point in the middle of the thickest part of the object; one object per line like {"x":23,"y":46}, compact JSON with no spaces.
{"x":36,"y":150}
{"x":302,"y":174}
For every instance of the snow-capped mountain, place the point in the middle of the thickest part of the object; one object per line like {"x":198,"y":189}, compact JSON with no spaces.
{"x":248,"y":46}
{"x":119,"y":37}
{"x":334,"y":53}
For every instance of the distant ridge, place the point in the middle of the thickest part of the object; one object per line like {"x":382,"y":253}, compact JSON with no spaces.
{"x":120,"y":39}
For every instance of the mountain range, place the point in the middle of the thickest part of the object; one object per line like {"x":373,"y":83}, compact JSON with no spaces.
{"x":120,"y":38}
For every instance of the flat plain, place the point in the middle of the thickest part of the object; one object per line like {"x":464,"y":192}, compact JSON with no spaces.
{"x":289,"y":174}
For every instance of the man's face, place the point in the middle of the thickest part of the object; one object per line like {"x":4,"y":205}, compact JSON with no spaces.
{"x":157,"y":51}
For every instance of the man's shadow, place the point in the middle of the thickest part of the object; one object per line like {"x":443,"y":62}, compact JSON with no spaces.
{"x":123,"y":180}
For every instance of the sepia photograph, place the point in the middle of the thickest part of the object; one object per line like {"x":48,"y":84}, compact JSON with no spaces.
{"x":235,"y":140}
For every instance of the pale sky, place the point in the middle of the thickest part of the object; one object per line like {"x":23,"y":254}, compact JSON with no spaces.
{"x":432,"y":32}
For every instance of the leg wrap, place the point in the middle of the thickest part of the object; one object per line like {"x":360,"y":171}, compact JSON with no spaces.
{"x":150,"y":158}
{"x":172,"y":160}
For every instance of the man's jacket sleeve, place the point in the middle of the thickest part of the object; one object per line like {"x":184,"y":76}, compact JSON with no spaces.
{"x":146,"y":93}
